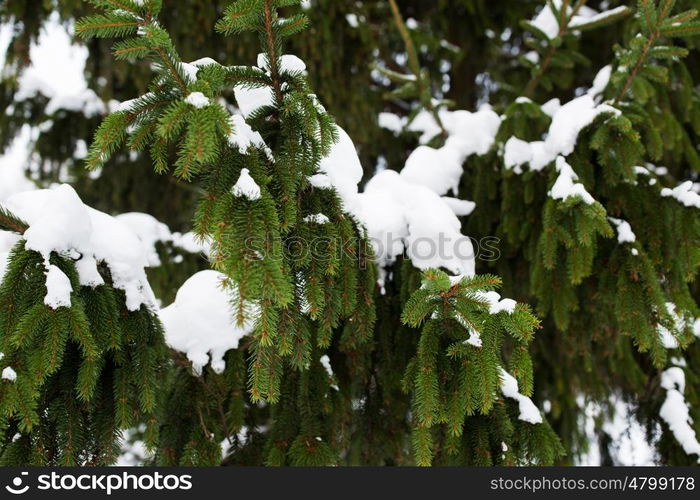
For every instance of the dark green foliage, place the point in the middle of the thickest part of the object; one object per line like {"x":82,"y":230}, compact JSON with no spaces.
{"x":83,"y":373}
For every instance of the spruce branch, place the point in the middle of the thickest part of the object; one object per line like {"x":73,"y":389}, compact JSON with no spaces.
{"x":655,"y":24}
{"x":10,"y":222}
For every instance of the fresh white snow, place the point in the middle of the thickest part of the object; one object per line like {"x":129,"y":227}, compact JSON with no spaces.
{"x":59,"y":222}
{"x":203,"y":296}
{"x":528,"y":411}
{"x":246,"y":187}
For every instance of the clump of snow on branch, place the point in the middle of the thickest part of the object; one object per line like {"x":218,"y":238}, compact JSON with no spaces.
{"x":250,"y":99}
{"x":566,"y":187}
{"x":151,"y":231}
{"x":203,"y":296}
{"x":198,"y":100}
{"x":9,"y":374}
{"x":59,"y":222}
{"x":675,"y":412}
{"x":58,"y":288}
{"x":624,"y":230}
{"x":406,"y":211}
{"x":496,"y":303}
{"x":246,"y":187}
{"x":684,"y":193}
{"x":547,"y":22}
{"x":244,"y":137}
{"x":567,"y":123}
{"x":317,"y":219}
{"x":528,"y":410}
{"x":679,"y":324}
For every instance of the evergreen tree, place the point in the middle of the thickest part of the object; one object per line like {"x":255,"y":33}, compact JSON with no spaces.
{"x":344,"y":351}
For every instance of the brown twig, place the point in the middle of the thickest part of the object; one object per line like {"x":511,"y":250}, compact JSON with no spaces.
{"x":414,"y":64}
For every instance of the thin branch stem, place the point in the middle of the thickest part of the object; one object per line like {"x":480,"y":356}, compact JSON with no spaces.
{"x":414,"y":64}
{"x":637,"y":67}
{"x":563,"y":30}
{"x":272,"y":51}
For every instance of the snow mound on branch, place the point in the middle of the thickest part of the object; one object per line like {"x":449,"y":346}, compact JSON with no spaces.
{"x":546,"y":20}
{"x":567,"y":123}
{"x":198,"y":100}
{"x":250,"y":99}
{"x":149,"y":230}
{"x":624,"y":231}
{"x":200,"y":323}
{"x":496,"y":303}
{"x":246,"y":187}
{"x":60,"y":222}
{"x":528,"y":410}
{"x":58,"y":288}
{"x":243,"y":136}
{"x":675,"y":410}
{"x":566,"y":187}
{"x":440,"y":169}
{"x":402,"y":216}
{"x":342,"y":170}
{"x":684,"y":194}
{"x":9,"y":374}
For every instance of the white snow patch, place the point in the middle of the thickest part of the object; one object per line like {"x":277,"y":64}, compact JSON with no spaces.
{"x":198,"y":100}
{"x":202,"y":340}
{"x":624,"y":230}
{"x":60,"y":222}
{"x":496,"y":304}
{"x":684,"y":194}
{"x":528,"y":410}
{"x":565,"y":186}
{"x":317,"y":219}
{"x":9,"y":374}
{"x":58,"y":288}
{"x":675,"y":411}
{"x":246,"y":187}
